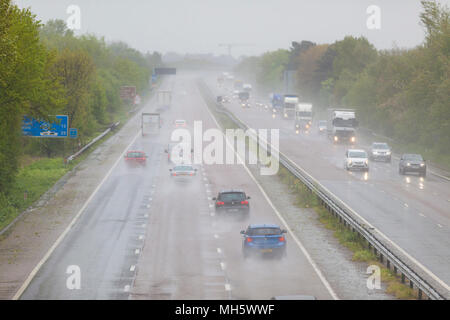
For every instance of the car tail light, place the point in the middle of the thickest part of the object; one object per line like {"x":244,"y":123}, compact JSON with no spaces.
{"x":249,"y":239}
{"x":220,"y":203}
{"x":281,"y":239}
{"x":174,"y":174}
{"x":244,"y":202}
{"x":191,"y":174}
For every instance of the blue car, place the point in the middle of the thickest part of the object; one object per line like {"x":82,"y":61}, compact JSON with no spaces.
{"x":265,"y":239}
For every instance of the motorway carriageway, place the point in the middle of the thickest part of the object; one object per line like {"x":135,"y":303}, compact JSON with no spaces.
{"x":412,"y":212}
{"x":145,"y":235}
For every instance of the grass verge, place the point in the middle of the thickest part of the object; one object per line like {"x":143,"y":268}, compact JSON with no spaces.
{"x":349,"y":239}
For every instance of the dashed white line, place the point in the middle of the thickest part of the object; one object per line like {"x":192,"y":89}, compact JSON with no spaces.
{"x":222,"y":266}
{"x":422,"y":215}
{"x":227,"y":287}
{"x":440,"y":226}
{"x":141,"y":237}
{"x":127,"y":288}
{"x":132,"y":268}
{"x":406,"y":205}
{"x":137,"y":251}
{"x":219,"y":251}
{"x":216,"y":236}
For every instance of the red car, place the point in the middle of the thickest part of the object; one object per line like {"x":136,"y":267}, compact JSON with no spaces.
{"x":136,"y":157}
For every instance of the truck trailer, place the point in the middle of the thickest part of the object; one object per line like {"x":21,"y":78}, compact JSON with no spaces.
{"x":290,"y":102}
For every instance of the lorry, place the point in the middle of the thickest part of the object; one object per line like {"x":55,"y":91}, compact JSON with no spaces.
{"x":150,"y":123}
{"x":277,"y":102}
{"x":164,"y":99}
{"x":341,"y":125}
{"x":303,"y":117}
{"x":289,"y":103}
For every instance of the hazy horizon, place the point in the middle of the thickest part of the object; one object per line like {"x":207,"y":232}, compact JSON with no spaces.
{"x":199,"y":26}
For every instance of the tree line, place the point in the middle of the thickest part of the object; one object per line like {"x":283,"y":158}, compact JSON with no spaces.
{"x":401,"y":93}
{"x":46,"y":70}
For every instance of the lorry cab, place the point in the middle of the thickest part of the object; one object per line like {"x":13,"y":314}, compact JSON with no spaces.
{"x":341,"y":125}
{"x":303,"y":117}
{"x":290,"y":102}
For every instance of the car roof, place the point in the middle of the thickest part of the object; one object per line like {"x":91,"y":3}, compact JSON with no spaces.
{"x":256,"y":226}
{"x":231,"y":190}
{"x":130,"y":151}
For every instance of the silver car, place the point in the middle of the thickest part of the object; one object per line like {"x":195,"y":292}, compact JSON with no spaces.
{"x":380,"y":151}
{"x":183,"y":172}
{"x":356,"y":159}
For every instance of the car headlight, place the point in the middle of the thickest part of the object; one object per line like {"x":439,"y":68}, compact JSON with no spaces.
{"x":422,"y":164}
{"x":336,"y":138}
{"x":307,"y":126}
{"x":296,"y":125}
{"x":274,"y":110}
{"x":285,"y":115}
{"x":353,"y":139}
{"x":375,"y":152}
{"x":408,"y":164}
{"x":349,"y":161}
{"x":388,"y":153}
{"x":367,"y":162}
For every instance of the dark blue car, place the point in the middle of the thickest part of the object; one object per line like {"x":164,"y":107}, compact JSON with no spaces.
{"x":266,"y":239}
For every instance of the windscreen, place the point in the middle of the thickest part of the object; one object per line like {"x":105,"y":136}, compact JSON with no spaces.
{"x":357,"y":154}
{"x":416,"y":157}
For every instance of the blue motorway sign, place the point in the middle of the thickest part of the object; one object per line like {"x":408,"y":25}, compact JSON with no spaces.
{"x":42,"y":129}
{"x":73,"y":133}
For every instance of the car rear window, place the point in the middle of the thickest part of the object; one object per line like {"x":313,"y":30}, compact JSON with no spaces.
{"x":263,"y":231}
{"x":183,"y":168}
{"x":232,"y":196}
{"x":135,"y":155}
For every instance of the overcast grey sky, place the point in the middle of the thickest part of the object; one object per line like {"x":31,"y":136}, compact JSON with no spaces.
{"x":198,"y":26}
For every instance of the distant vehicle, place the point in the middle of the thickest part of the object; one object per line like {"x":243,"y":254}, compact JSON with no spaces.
{"x":136,"y":157}
{"x":245,"y":104}
{"x":303,"y":117}
{"x":247,"y":87}
{"x":341,"y":125}
{"x":412,"y":163}
{"x":277,"y":102}
{"x":183,"y":171}
{"x":380,"y":151}
{"x":232,"y":201}
{"x":180,"y":123}
{"x":238,"y":85}
{"x":243,"y":96}
{"x":150,"y":123}
{"x":356,"y":159}
{"x":264,"y":239}
{"x":290,"y":101}
{"x":164,"y":99}
{"x":322,"y":125}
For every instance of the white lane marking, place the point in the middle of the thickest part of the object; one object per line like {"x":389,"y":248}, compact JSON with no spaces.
{"x":137,"y":251}
{"x":211,"y":206}
{"x":222,"y":266}
{"x":127,"y":288}
{"x":227,"y":287}
{"x":297,"y":241}
{"x":148,"y":206}
{"x":406,"y":205}
{"x":440,"y":226}
{"x":209,"y":198}
{"x":219,"y":251}
{"x":422,"y":215}
{"x":132,"y":268}
{"x":141,"y":237}
{"x":72,"y":223}
{"x":208,"y":191}
{"x":425,"y":269}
